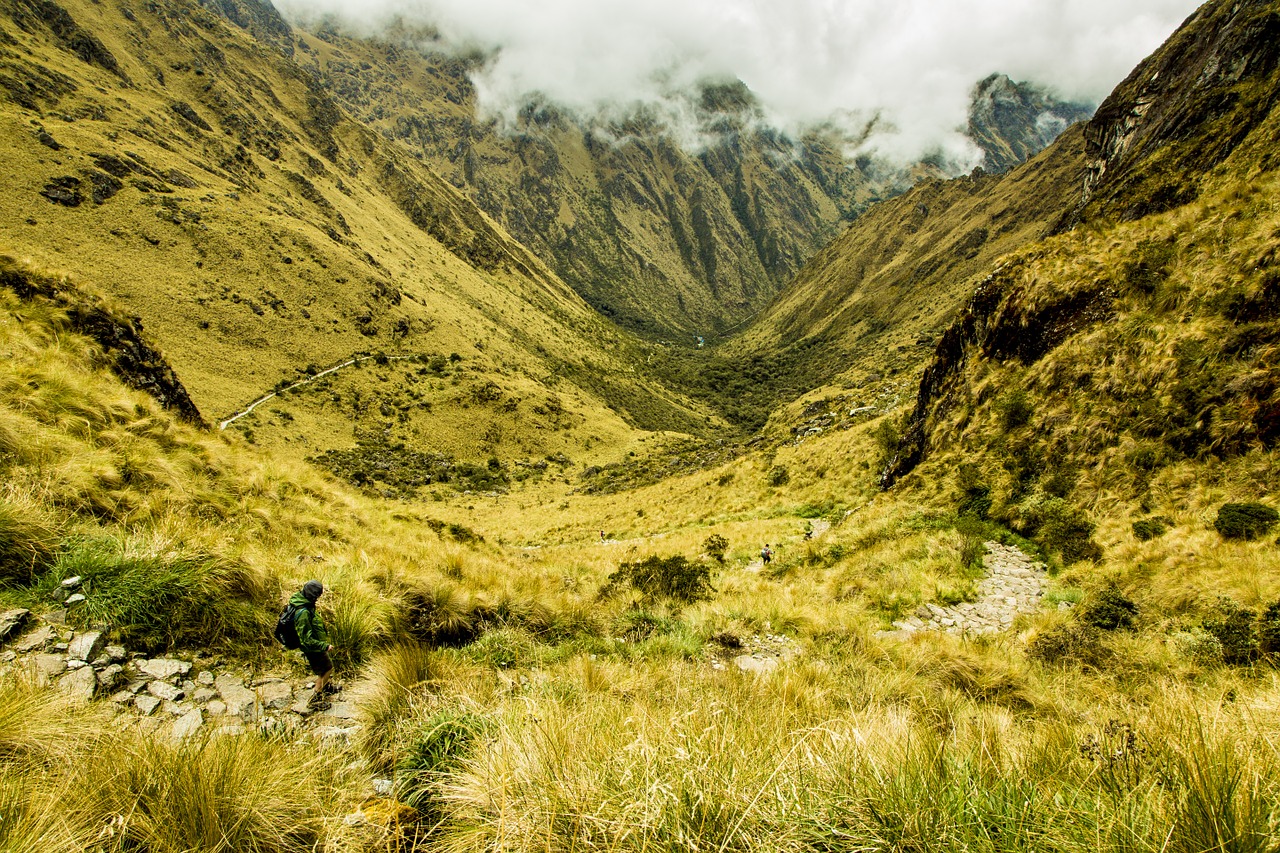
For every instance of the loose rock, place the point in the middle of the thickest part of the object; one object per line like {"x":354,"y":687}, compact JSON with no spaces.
{"x":11,"y":622}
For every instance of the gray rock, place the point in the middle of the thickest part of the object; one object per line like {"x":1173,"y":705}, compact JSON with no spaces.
{"x":81,"y":682}
{"x":205,"y":678}
{"x":136,"y":686}
{"x":188,"y":724}
{"x":165,"y":668}
{"x":72,"y":582}
{"x":60,"y":648}
{"x":217,"y":707}
{"x":124,"y":697}
{"x":12,"y":621}
{"x":51,"y":665}
{"x":116,"y":654}
{"x":73,"y":600}
{"x":347,"y":710}
{"x":8,"y":656}
{"x":747,"y":663}
{"x":110,"y":676}
{"x":204,"y":695}
{"x":37,"y":639}
{"x":57,"y":617}
{"x":164,"y":690}
{"x":73,"y":663}
{"x":146,"y":704}
{"x":276,"y":695}
{"x":383,"y":787}
{"x":237,"y":697}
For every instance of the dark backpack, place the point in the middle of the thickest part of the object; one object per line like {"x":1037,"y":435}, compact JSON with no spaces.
{"x":286,"y":629}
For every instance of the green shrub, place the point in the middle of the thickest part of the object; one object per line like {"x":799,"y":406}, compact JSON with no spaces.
{"x":156,"y":601}
{"x":639,"y":625}
{"x":1107,"y":609}
{"x":1245,"y":521}
{"x":675,"y":578}
{"x":504,"y":648}
{"x":1233,"y":625}
{"x":1269,"y":629}
{"x":432,"y":751}
{"x":778,"y":476}
{"x":1015,"y":410}
{"x":1066,"y":530}
{"x":715,"y":545}
{"x":1070,"y":642}
{"x":1197,"y":645}
{"x":1146,"y":529}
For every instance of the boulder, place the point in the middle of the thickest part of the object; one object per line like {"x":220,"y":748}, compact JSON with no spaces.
{"x":116,"y":654}
{"x":11,"y":622}
{"x":146,"y":704}
{"x":51,"y":665}
{"x":276,"y":695}
{"x":165,"y":668}
{"x":85,"y":645}
{"x":37,"y":639}
{"x":110,"y":676}
{"x":82,"y":683}
{"x":188,"y":724}
{"x":237,"y":697}
{"x":164,"y":690}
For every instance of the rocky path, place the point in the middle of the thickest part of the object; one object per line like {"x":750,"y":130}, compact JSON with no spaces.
{"x":818,"y":527}
{"x":1014,"y":585}
{"x":175,"y":695}
{"x":304,"y":382}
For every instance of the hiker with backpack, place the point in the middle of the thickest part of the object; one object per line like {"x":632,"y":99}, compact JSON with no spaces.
{"x":300,"y":627}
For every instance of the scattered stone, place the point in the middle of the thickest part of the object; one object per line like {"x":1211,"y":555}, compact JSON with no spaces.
{"x":73,"y":600}
{"x":72,"y":582}
{"x":216,"y":707}
{"x":110,"y":676}
{"x":748,"y":663}
{"x":57,"y":617}
{"x":383,"y":787}
{"x":237,"y":697}
{"x":205,"y":678}
{"x":276,"y":695}
{"x":60,"y":648}
{"x":165,"y":668}
{"x":85,"y":645}
{"x":146,"y":704}
{"x":116,"y":654}
{"x":9,"y":656}
{"x":74,"y":664}
{"x":51,"y":665}
{"x":37,"y":639}
{"x":136,"y":686}
{"x":164,"y":690}
{"x":188,"y":724}
{"x":81,"y":682}
{"x":124,"y":697}
{"x":12,"y":621}
{"x":204,"y":695}
{"x":302,"y":708}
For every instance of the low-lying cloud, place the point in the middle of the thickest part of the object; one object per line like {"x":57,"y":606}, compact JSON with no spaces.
{"x":909,"y":64}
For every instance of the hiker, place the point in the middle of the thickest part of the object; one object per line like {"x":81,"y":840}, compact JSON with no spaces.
{"x":313,"y":639}
{"x":602,"y":539}
{"x":766,"y":555}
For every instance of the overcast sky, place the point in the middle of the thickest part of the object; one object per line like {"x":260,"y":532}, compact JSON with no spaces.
{"x":912,"y":62}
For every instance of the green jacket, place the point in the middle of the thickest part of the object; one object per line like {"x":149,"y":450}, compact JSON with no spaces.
{"x":310,"y":627}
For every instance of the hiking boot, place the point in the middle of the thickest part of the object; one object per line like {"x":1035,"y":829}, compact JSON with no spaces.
{"x":319,"y":705}
{"x":331,"y":688}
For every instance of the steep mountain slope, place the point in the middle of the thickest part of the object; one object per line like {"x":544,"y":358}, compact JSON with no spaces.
{"x":1132,"y":360}
{"x":655,"y":236}
{"x":663,"y":233}
{"x":207,"y":183}
{"x":1012,"y":122}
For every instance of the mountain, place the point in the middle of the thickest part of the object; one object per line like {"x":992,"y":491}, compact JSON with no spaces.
{"x":671,"y":231}
{"x":1012,"y":122}
{"x":167,"y":159}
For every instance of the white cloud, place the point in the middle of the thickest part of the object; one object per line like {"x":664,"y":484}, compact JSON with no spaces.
{"x":910,"y":62}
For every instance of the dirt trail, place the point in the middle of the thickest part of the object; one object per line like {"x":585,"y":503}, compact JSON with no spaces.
{"x":303,"y":382}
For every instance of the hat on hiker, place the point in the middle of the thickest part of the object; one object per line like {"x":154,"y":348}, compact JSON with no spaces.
{"x":311,"y":590}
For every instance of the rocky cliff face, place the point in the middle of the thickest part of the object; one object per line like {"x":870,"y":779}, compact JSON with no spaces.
{"x":1012,"y":122}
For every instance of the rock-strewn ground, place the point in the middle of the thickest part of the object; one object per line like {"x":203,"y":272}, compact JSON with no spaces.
{"x":1014,"y":585}
{"x":173,"y":695}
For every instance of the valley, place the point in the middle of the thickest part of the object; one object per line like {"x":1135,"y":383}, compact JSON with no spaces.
{"x":275,"y":306}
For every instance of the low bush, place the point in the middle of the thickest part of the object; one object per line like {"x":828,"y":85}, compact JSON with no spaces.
{"x":1064,"y":529}
{"x":1146,"y":529}
{"x":1233,"y":625}
{"x":434,"y":749}
{"x":714,"y":546}
{"x":675,"y":578}
{"x":155,"y":601}
{"x":1070,"y":642}
{"x":778,"y":476}
{"x":1245,"y":521}
{"x":1269,"y":629}
{"x":1108,"y":609}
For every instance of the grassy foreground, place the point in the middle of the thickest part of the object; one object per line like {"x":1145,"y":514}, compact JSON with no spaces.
{"x":519,"y":700}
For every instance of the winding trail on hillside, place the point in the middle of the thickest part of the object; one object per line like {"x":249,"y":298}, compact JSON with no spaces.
{"x":1014,"y":585}
{"x":354,"y":360}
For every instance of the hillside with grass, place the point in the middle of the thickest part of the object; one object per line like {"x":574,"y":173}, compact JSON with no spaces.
{"x":168,"y":159}
{"x":1023,"y":590}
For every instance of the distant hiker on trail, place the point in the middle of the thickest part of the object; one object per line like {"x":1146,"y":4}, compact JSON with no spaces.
{"x":313,"y":640}
{"x":602,"y":539}
{"x":766,"y":555}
